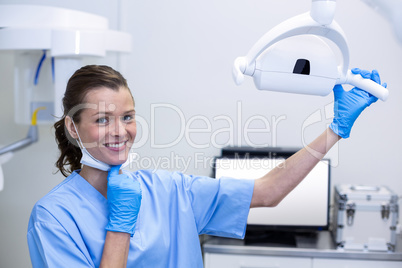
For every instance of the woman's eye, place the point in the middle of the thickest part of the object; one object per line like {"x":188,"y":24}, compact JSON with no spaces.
{"x":102,"y":120}
{"x":128,"y":117}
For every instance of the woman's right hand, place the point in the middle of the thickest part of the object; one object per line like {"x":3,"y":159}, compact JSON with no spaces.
{"x":124,"y":201}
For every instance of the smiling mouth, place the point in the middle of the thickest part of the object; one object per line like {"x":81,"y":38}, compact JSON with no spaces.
{"x":115,"y":145}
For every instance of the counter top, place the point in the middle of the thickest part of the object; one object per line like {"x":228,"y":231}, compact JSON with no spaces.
{"x":321,"y":246}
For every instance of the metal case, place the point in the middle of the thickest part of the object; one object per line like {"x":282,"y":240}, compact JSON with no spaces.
{"x":365,"y":218}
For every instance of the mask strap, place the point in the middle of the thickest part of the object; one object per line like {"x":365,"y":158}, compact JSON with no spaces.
{"x":79,"y":141}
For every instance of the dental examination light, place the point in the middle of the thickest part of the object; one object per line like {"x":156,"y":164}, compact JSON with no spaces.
{"x":6,"y":152}
{"x":293,"y":56}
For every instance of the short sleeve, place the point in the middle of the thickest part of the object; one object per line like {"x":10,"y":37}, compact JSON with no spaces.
{"x":51,"y":246}
{"x":221,"y":206}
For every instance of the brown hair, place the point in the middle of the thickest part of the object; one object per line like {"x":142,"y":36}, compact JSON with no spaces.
{"x":81,"y":82}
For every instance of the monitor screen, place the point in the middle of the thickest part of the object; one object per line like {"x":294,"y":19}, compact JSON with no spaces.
{"x":306,"y":207}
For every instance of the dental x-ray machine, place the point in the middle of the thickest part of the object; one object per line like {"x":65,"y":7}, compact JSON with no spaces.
{"x":293,"y":56}
{"x":66,"y":36}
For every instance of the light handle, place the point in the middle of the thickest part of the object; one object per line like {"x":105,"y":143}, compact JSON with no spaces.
{"x":366,"y":84}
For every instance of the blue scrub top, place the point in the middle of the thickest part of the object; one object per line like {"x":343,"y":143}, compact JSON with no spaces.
{"x":67,"y":226}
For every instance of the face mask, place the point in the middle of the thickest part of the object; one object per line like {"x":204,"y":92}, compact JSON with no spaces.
{"x":88,"y":160}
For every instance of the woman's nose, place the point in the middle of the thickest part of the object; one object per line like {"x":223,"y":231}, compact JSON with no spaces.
{"x":118,"y":128}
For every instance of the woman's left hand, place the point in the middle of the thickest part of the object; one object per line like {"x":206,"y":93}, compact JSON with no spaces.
{"x":349,"y":104}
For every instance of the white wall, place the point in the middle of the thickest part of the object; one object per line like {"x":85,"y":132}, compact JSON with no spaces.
{"x":181,"y":60}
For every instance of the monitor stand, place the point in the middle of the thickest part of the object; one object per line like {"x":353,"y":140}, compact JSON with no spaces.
{"x":276,"y":238}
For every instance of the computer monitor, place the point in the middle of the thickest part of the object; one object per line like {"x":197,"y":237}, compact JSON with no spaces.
{"x":305,"y":208}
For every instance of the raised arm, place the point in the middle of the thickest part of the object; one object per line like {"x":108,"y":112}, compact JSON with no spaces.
{"x":275,"y":185}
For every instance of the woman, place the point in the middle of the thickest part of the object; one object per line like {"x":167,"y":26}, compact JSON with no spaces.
{"x":102,"y":216}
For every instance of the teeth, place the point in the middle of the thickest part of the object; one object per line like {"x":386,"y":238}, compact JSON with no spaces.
{"x":115,"y":145}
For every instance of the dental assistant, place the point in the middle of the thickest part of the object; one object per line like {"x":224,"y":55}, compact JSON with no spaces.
{"x":104,"y":216}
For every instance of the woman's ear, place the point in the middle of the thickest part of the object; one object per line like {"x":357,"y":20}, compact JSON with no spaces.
{"x":70,"y":127}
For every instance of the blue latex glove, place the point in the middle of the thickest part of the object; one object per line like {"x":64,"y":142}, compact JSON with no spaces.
{"x":349,"y":104}
{"x":124,"y":201}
